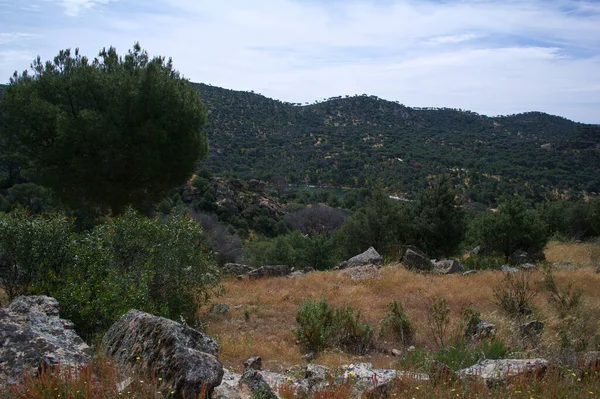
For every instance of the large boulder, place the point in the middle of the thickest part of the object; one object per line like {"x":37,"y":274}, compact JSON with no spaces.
{"x":184,"y":358}
{"x":236,"y":269}
{"x":447,"y":267}
{"x":369,"y":257}
{"x":33,"y":335}
{"x":415,"y":261}
{"x":496,"y":371}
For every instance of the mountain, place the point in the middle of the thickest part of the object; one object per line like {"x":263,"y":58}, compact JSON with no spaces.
{"x":359,"y":140}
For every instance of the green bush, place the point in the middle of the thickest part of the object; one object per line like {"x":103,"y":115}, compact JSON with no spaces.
{"x":514,"y":293}
{"x":320,"y":326}
{"x":462,"y":354}
{"x":315,"y":324}
{"x":483,"y":262}
{"x":398,"y":322}
{"x":351,"y":334}
{"x":157,"y":266}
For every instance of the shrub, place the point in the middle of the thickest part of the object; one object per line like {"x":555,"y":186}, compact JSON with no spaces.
{"x":483,"y":262}
{"x":565,"y":301}
{"x":438,"y":320}
{"x":398,"y":322}
{"x":352,"y":334}
{"x":514,"y":293}
{"x":462,"y":354}
{"x":315,"y":324}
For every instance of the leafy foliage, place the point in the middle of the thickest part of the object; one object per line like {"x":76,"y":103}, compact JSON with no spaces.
{"x":106,"y":132}
{"x":398,"y":322}
{"x":514,"y":293}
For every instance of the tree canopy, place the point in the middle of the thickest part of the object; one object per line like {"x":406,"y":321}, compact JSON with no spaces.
{"x":108,"y":132}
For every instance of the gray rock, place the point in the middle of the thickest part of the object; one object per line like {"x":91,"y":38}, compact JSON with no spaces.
{"x":185,"y":358}
{"x":229,"y":386}
{"x":496,"y":371}
{"x":447,"y":267}
{"x":236,"y":269}
{"x":469,"y":272}
{"x":253,"y":382}
{"x":270,"y":271}
{"x":299,"y":386}
{"x":520,"y":257}
{"x":376,"y":382}
{"x":532,"y":328}
{"x":527,"y":266}
{"x":482,"y":330}
{"x":253,"y":363}
{"x":415,"y":261}
{"x":316,"y":374}
{"x":508,"y":269}
{"x":219,"y":308}
{"x":33,"y":334}
{"x":369,"y":257}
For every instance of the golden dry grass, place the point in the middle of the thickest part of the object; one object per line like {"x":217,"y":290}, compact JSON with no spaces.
{"x":587,"y":254}
{"x":272,"y":304}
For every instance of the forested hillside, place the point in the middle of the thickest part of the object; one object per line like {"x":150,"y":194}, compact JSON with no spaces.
{"x":356,"y":141}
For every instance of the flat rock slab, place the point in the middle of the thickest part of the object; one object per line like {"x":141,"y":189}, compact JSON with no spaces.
{"x":495,"y":371}
{"x":32,"y":334}
{"x":185,"y":358}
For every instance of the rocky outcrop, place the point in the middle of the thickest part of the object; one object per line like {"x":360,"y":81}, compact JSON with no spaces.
{"x":254,"y":362}
{"x":33,"y":335}
{"x":508,"y":269}
{"x":270,"y":271}
{"x":532,"y":328}
{"x":376,"y":382}
{"x":235,"y":269}
{"x":415,"y":261}
{"x":252,"y":382}
{"x":184,"y":358}
{"x":481,"y":330}
{"x":447,"y":267}
{"x":369,"y":257}
{"x":520,"y":257}
{"x":496,"y":371}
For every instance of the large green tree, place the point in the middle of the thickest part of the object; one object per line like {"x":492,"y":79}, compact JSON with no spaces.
{"x":108,"y":132}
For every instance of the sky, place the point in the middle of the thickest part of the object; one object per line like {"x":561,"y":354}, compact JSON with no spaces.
{"x":495,"y":57}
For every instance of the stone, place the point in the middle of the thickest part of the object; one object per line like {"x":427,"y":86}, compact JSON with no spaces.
{"x":482,"y":330}
{"x":497,"y":371}
{"x":527,"y":266}
{"x":299,"y":386}
{"x":369,"y":257}
{"x":253,"y":382}
{"x":376,"y":382}
{"x":316,"y":374}
{"x":184,"y":358}
{"x":219,"y":308}
{"x":254,"y":363}
{"x":362,"y":272}
{"x":32,"y":335}
{"x":229,"y":386}
{"x":520,"y":257}
{"x":469,"y":272}
{"x":447,"y":267}
{"x":309,"y":357}
{"x":508,"y":269}
{"x":532,"y":328}
{"x":236,"y":269}
{"x":270,"y":271}
{"x":397,"y":352}
{"x":415,"y":261}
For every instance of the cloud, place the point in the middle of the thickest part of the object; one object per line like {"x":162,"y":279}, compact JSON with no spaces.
{"x":491,"y":56}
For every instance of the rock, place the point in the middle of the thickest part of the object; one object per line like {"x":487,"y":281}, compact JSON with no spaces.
{"x":413,"y":260}
{"x":299,"y":386}
{"x":476,"y":250}
{"x":496,"y":371}
{"x":376,"y":382}
{"x":33,"y":334}
{"x":270,"y":271}
{"x":254,"y":363}
{"x":369,"y":257}
{"x":296,"y":274}
{"x":508,"y":269}
{"x":219,"y":308}
{"x":447,"y":267}
{"x":229,"y":386}
{"x":185,"y":358}
{"x":531,"y":328}
{"x":256,"y":185}
{"x":254,"y":382}
{"x":524,"y":310}
{"x":520,"y":257}
{"x":236,"y":269}
{"x":469,"y":272}
{"x":482,"y":330}
{"x":397,"y":352}
{"x":309,"y":357}
{"x":527,"y":266}
{"x":316,"y":374}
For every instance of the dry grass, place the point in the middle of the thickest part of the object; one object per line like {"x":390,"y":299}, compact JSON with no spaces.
{"x":273,"y":303}
{"x":587,"y":254}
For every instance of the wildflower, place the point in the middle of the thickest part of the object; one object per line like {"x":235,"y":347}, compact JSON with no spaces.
{"x":160,"y":378}
{"x":137,"y":358}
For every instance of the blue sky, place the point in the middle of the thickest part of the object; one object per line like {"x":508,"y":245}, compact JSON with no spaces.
{"x":489,"y":56}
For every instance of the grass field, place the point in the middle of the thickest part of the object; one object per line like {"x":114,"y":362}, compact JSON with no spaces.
{"x":263,"y":311}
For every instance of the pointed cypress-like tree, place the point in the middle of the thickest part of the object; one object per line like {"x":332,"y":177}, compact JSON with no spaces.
{"x":109,"y":132}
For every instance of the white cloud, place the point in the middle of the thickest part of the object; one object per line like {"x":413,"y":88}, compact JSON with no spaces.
{"x":493,"y":57}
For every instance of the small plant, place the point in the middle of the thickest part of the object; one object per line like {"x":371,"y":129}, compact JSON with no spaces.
{"x":514,"y":293}
{"x":438,"y":320}
{"x":352,"y":334}
{"x":398,"y":322}
{"x":246,"y":314}
{"x":567,"y":301}
{"x":315,"y":324}
{"x":470,"y":320}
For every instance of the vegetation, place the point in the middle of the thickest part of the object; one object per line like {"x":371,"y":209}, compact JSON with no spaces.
{"x":108,"y":132}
